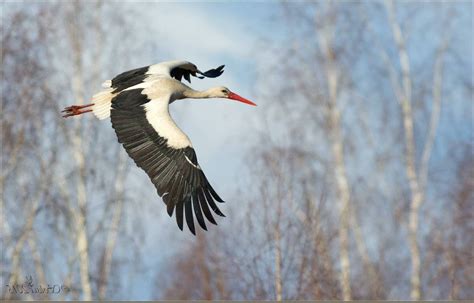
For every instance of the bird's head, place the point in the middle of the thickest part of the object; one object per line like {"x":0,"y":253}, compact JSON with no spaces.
{"x":224,"y":92}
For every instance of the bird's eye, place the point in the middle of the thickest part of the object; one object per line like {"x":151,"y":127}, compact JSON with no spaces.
{"x":223,"y":91}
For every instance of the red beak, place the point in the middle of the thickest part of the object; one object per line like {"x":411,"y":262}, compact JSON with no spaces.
{"x":234,"y":96}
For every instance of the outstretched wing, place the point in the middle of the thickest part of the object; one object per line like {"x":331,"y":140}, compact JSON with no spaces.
{"x":164,"y":152}
{"x":189,"y":69}
{"x":174,"y":69}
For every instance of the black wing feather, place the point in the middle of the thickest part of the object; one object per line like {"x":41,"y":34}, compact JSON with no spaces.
{"x":205,"y":207}
{"x":129,"y":78}
{"x":198,"y":212}
{"x":214,"y":73}
{"x":189,"y":70}
{"x":189,"y":216}
{"x":179,"y":215}
{"x":182,"y":185}
{"x":212,"y":204}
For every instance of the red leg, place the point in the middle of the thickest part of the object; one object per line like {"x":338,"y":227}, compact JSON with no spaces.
{"x":75,"y":110}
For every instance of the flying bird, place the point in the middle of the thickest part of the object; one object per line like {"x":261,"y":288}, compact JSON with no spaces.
{"x":137,"y":103}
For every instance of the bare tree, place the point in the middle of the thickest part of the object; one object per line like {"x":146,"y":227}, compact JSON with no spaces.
{"x":326,"y":34}
{"x":417,"y":178}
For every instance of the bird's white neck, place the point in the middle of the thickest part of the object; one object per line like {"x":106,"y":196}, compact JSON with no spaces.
{"x":195,"y":94}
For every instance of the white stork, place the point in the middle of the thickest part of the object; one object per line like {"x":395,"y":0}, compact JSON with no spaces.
{"x":137,"y":103}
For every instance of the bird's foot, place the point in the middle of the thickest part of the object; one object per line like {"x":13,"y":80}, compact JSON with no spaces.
{"x":75,"y":110}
